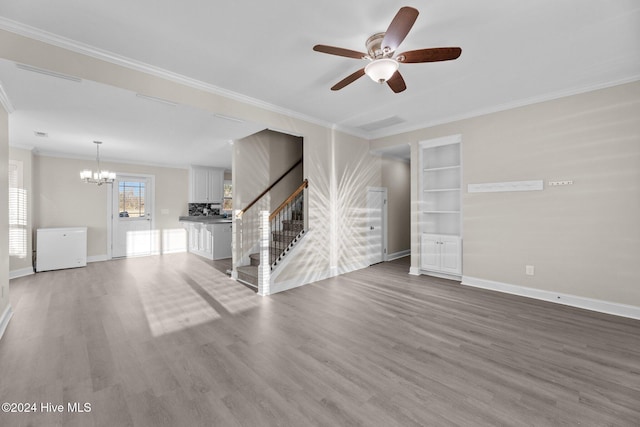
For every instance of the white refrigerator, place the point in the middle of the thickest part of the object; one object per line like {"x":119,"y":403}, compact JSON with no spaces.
{"x":58,"y":248}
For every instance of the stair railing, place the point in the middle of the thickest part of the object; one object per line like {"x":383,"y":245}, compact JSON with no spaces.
{"x":269,"y":188}
{"x":247,"y":222}
{"x":287,"y":224}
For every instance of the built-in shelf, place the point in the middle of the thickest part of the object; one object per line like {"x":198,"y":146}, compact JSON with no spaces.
{"x":436,"y":190}
{"x":440,"y":188}
{"x":441,"y":168}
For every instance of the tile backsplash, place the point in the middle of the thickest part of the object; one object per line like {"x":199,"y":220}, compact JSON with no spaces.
{"x":197,"y":209}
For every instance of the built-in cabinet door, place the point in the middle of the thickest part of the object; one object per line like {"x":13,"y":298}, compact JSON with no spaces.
{"x":430,"y":252}
{"x":206,"y":184}
{"x":206,"y":245}
{"x":440,"y":253}
{"x":199,"y":185}
{"x":194,"y":237}
{"x":222,"y":241}
{"x":450,"y":254}
{"x":215,"y":185}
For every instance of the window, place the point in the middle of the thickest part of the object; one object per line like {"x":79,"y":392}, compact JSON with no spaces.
{"x":227,"y":200}
{"x":17,"y":211}
{"x":131,"y":199}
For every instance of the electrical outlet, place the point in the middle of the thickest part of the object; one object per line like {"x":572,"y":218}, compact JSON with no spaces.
{"x":529,"y":270}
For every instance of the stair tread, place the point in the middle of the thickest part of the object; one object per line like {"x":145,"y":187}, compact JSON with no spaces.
{"x":251,"y":270}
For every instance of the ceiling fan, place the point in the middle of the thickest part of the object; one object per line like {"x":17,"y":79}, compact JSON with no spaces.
{"x":381,"y":47}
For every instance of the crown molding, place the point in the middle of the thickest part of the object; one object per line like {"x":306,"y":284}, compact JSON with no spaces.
{"x":58,"y":155}
{"x":104,"y":55}
{"x":22,"y":146}
{"x":504,"y":107}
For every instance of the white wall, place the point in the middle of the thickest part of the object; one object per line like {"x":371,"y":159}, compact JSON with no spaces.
{"x":61,"y":199}
{"x":583,"y":239}
{"x":4,"y":220}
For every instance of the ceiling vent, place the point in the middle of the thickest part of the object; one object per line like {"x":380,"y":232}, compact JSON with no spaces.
{"x":380,"y":124}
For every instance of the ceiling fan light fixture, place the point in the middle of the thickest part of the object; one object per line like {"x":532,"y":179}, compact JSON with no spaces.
{"x":381,"y":70}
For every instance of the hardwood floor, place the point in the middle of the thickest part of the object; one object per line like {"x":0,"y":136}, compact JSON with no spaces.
{"x":172,"y":341}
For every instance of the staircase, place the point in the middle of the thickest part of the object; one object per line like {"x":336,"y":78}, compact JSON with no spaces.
{"x":281,"y":243}
{"x":273,"y":235}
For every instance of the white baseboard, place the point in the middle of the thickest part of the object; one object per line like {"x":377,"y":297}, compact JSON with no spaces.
{"x":447,"y":276}
{"x":333,"y":271}
{"x":351,"y":267}
{"x":174,"y":251}
{"x":14,"y":274}
{"x":97,"y":258}
{"x":397,"y":255}
{"x":4,"y":319}
{"x":414,"y":271}
{"x":601,"y":306}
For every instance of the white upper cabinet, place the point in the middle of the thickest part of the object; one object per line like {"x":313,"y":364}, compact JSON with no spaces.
{"x":206,"y":184}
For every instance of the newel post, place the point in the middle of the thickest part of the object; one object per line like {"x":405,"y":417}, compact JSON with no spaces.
{"x":264,"y":270}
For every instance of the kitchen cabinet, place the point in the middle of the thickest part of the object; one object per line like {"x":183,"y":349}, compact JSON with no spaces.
{"x":209,"y":240}
{"x":205,"y":184}
{"x":222,"y":241}
{"x":441,"y":253}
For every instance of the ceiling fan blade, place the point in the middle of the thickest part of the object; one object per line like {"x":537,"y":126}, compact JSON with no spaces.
{"x":396,"y":82}
{"x":429,"y":55}
{"x":348,"y":80}
{"x":399,"y":28}
{"x":331,"y":50}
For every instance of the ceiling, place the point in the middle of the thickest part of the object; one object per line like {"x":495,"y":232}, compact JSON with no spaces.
{"x":513,"y":53}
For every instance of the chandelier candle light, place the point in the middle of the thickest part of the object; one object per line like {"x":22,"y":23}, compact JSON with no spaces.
{"x":101,"y":176}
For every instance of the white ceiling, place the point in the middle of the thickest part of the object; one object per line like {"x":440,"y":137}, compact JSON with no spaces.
{"x":132,"y":129}
{"x":513,"y":53}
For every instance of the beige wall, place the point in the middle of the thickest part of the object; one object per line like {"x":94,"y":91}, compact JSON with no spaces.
{"x":583,"y":239}
{"x":20,"y":265}
{"x":61,"y":199}
{"x":4,"y":213}
{"x":339,"y":170}
{"x":259,"y":160}
{"x":396,"y":177}
{"x":318,"y":139}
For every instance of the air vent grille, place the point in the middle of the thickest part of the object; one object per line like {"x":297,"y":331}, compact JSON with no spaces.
{"x":380,"y":124}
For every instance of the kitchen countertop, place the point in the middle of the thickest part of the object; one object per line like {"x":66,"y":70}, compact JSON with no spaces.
{"x":214,"y":219}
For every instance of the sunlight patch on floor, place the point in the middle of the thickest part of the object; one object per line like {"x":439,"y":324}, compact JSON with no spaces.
{"x":176,"y":297}
{"x":174,"y":307}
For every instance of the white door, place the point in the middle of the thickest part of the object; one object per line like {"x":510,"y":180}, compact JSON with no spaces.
{"x":376,"y":212}
{"x":132,"y":219}
{"x":430,"y":252}
{"x":450,"y":254}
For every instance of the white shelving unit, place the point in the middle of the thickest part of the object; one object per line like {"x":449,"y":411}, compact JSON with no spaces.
{"x":440,"y":189}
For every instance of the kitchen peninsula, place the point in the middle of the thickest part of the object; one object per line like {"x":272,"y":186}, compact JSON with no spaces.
{"x":209,"y":236}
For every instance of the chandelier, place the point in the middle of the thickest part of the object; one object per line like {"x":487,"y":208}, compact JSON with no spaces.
{"x":100,"y":176}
